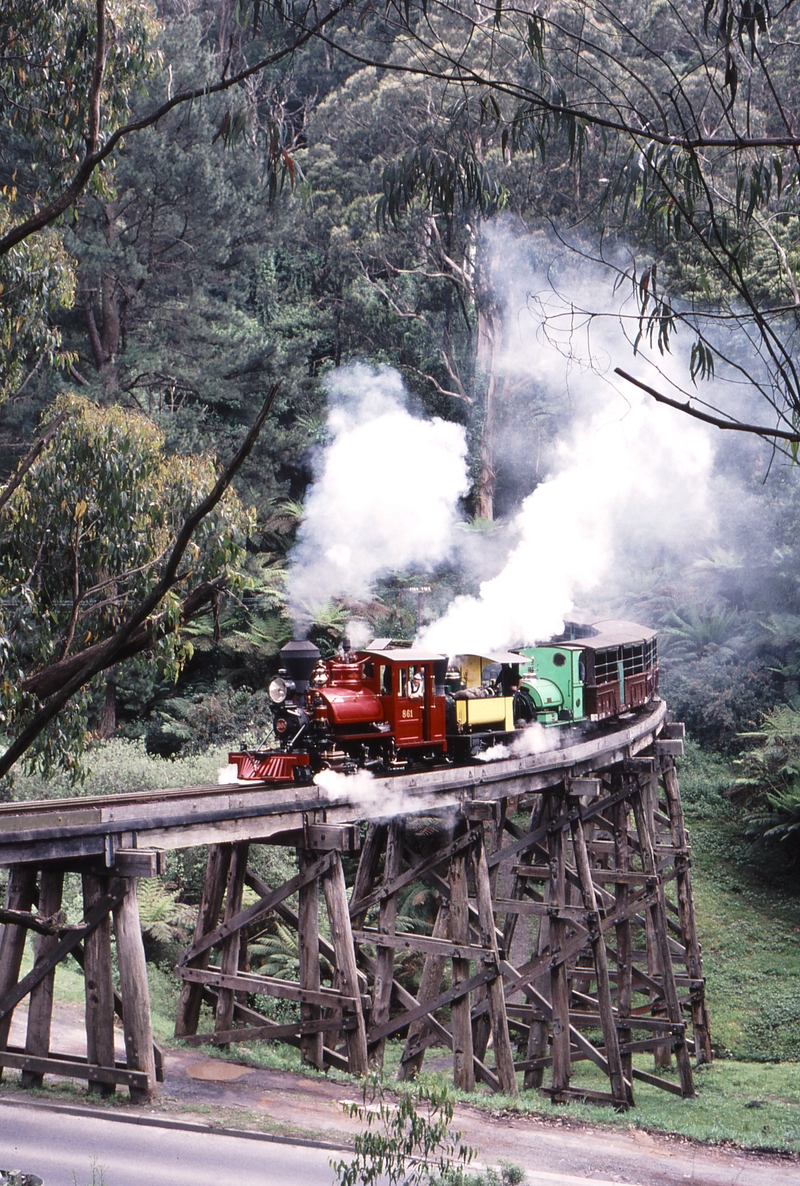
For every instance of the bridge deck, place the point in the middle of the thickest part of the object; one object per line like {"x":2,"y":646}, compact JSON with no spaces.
{"x":93,"y":826}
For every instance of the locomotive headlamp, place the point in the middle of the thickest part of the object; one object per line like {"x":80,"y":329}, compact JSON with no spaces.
{"x":277,"y":690}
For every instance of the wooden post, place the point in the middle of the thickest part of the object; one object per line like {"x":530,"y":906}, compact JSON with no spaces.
{"x":657,"y":920}
{"x":346,"y":974}
{"x":308,"y":949}
{"x":503,"y":1056}
{"x":539,"y":1031}
{"x":99,"y":986}
{"x":620,"y":1091}
{"x":40,"y":1007}
{"x":384,"y":962}
{"x":683,"y":877}
{"x":229,"y":961}
{"x":461,"y":1011}
{"x":20,"y":895}
{"x":367,"y":868}
{"x":559,"y":983}
{"x":662,"y":1055}
{"x":481,"y":1026}
{"x":538,"y":814}
{"x":191,"y":996}
{"x":622,"y":863}
{"x":134,"y":989}
{"x":429,"y":985}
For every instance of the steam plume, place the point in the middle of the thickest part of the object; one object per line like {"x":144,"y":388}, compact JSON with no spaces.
{"x":386,"y":492}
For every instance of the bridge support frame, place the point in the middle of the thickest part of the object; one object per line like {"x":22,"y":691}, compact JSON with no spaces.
{"x":105,"y":896}
{"x":561,"y":932}
{"x":601,"y":946}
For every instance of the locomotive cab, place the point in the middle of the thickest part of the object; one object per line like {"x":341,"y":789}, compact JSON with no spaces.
{"x":410,"y":686}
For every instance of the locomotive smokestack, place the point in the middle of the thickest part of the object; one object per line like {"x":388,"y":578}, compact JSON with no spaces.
{"x":299,"y":658}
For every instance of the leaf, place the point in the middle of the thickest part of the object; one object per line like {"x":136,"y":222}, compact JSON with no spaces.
{"x":222,"y":130}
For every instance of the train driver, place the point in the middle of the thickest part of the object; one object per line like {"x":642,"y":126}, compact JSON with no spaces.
{"x":416,"y":686}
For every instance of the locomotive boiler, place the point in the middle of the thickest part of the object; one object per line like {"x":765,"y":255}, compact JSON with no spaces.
{"x":394,"y":707}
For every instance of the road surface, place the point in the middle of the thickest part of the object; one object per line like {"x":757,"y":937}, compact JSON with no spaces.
{"x":62,"y":1150}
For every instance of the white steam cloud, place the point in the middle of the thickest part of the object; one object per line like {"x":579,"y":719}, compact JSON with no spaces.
{"x":626,"y":477}
{"x":385,"y":496}
{"x":613,"y":476}
{"x":531,"y":739}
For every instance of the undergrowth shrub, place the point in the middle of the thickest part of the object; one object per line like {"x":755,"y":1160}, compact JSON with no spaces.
{"x":770,"y":781}
{"x":719,"y":697}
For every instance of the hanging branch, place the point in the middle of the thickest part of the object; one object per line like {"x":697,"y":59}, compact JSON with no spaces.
{"x":96,"y":151}
{"x":733,"y":425}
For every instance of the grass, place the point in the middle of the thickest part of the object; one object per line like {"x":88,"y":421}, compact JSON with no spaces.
{"x":748,"y":923}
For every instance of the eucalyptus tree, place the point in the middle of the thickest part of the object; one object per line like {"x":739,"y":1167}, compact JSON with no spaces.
{"x":96,"y":568}
{"x":692,"y":110}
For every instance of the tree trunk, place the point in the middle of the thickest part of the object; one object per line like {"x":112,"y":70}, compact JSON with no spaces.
{"x":108,"y":721}
{"x":489,"y":382}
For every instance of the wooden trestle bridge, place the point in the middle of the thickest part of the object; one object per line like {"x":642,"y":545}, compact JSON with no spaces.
{"x":565,"y":927}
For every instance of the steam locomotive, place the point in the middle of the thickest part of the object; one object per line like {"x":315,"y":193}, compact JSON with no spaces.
{"x":392,"y":707}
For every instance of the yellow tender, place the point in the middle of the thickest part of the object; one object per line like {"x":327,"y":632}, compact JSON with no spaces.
{"x":497,"y":711}
{"x":494,"y":710}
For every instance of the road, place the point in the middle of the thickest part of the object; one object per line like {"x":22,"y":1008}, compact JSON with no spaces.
{"x":66,"y":1148}
{"x":63,"y":1148}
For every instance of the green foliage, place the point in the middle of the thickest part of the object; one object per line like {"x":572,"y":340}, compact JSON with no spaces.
{"x":37,"y":280}
{"x":166,"y":922}
{"x":441,"y":182}
{"x":118,"y":766}
{"x":47,"y":62}
{"x":408,"y":1142}
{"x":719,"y":697}
{"x":83,"y":537}
{"x":698,"y":631}
{"x":163,"y":918}
{"x":508,"y":1174}
{"x":771,"y":780}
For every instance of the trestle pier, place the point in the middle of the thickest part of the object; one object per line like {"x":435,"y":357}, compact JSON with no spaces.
{"x":564,"y":920}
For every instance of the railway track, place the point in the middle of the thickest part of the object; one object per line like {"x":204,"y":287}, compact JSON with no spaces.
{"x":102,"y":827}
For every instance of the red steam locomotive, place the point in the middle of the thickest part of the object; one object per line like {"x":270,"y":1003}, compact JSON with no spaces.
{"x":392,"y":706}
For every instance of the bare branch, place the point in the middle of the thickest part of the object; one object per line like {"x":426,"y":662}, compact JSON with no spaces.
{"x":35,"y":452}
{"x":97,"y":79}
{"x":43,"y":924}
{"x":49,"y":679}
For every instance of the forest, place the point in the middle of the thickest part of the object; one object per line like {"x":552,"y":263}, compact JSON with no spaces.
{"x":371,"y":320}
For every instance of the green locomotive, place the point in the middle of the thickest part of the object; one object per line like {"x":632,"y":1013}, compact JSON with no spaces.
{"x":589,"y":673}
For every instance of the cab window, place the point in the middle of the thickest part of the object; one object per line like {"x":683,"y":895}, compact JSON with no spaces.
{"x":386,"y":681}
{"x":402,"y":681}
{"x":416,"y":683}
